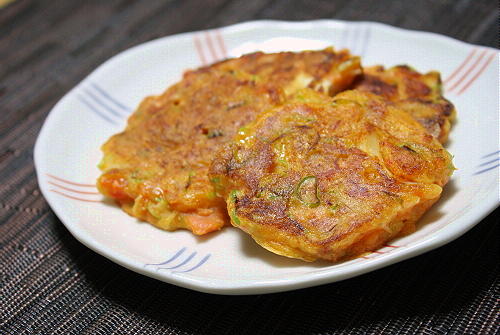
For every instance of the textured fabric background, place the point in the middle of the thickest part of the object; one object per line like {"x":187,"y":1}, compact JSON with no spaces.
{"x":51,"y":284}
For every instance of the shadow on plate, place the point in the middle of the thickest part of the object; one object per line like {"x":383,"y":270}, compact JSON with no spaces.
{"x":436,"y":212}
{"x":253,"y":250}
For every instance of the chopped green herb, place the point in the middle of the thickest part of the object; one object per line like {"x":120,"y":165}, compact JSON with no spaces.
{"x":214,"y":133}
{"x":235,"y":218}
{"x":273,"y":196}
{"x":334,"y":207}
{"x":216,"y":181}
{"x":189,"y":180}
{"x":236,"y":104}
{"x":136,"y":179}
{"x":282,"y":161}
{"x":345,"y":102}
{"x":233,"y":197}
{"x":451,"y":169}
{"x":300,"y":97}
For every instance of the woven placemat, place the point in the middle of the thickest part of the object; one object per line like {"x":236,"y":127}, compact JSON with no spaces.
{"x":51,"y":284}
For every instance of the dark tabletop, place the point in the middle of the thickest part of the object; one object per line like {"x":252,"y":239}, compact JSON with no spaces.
{"x":52,"y":284}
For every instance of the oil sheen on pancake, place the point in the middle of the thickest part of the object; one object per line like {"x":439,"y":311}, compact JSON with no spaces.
{"x":418,"y":94}
{"x":157,"y":168}
{"x":330,"y":178}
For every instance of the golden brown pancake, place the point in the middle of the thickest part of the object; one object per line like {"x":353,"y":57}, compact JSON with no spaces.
{"x":330,"y":178}
{"x":418,"y":94}
{"x":157,"y":169}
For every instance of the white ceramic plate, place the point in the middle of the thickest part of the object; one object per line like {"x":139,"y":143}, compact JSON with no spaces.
{"x":229,"y":262}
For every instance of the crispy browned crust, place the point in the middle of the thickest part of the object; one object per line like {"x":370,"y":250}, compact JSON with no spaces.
{"x":416,"y":93}
{"x":157,"y":168}
{"x":324,"y":71}
{"x":330,"y":179}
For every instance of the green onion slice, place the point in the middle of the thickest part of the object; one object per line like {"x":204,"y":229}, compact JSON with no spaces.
{"x":307,"y":191}
{"x":233,"y":196}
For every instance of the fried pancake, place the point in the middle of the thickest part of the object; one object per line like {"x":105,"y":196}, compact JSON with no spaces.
{"x":416,"y":93}
{"x":330,"y":178}
{"x":157,"y":169}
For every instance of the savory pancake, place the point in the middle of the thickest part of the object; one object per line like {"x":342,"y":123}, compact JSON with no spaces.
{"x":330,"y":178}
{"x":157,"y":168}
{"x":416,"y":93}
